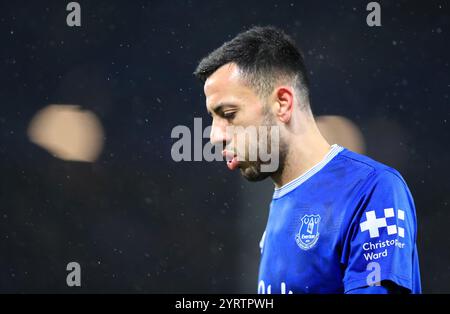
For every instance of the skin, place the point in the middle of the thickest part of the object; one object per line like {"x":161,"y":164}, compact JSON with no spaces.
{"x":232,"y":102}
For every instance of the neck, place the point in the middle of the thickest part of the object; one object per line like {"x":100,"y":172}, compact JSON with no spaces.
{"x":306,"y":149}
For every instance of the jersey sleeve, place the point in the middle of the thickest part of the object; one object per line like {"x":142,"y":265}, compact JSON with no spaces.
{"x":379,"y":243}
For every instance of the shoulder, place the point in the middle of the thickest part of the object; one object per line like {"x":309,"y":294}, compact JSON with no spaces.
{"x":380,"y":190}
{"x":370,"y":171}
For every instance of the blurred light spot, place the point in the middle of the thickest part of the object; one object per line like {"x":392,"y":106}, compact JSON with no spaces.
{"x":67,"y":132}
{"x":342,"y":131}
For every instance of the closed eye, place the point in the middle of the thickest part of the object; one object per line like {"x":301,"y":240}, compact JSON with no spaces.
{"x":229,"y":115}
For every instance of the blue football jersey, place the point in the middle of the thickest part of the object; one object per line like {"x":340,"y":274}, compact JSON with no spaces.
{"x":347,"y":223}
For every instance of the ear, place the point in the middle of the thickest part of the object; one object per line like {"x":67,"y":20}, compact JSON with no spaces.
{"x":284,"y":97}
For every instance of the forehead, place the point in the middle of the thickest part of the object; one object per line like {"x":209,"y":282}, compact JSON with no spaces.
{"x":227,"y":74}
{"x":226,"y":85}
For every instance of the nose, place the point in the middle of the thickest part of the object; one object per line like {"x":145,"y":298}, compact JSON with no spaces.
{"x":218,"y":133}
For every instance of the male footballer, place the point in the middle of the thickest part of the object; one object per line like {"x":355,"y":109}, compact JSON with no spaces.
{"x":339,"y":222}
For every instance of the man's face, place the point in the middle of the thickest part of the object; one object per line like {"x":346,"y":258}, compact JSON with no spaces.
{"x":237,"y":111}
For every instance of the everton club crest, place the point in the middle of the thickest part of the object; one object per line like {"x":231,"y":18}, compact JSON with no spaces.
{"x":308,"y":234}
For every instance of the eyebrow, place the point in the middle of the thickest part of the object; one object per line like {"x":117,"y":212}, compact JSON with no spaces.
{"x":219,"y":107}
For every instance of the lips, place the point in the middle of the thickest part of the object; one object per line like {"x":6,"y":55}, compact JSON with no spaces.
{"x":232,"y":160}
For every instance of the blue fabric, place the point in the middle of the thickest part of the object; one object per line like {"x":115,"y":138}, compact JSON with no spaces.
{"x":370,"y":290}
{"x":346,"y":224}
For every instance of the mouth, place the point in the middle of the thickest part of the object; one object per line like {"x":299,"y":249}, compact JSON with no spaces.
{"x":232,"y":160}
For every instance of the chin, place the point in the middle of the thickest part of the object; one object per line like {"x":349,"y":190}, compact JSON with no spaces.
{"x":253,"y":173}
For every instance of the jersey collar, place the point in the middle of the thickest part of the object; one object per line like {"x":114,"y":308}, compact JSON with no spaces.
{"x":288,"y":187}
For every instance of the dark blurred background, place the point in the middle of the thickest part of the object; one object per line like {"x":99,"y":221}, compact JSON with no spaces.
{"x":135,"y":220}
